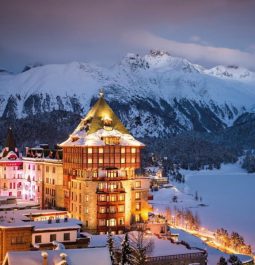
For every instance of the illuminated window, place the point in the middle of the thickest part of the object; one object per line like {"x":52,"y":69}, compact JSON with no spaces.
{"x":112,"y":209}
{"x":121,"y":197}
{"x":111,"y":174}
{"x":100,"y":185}
{"x":112,"y":198}
{"x":137,"y":195}
{"x":102,"y":198}
{"x":137,"y":218}
{"x":101,"y":150}
{"x":89,"y":150}
{"x":123,"y":150}
{"x":101,"y":222}
{"x":111,"y":140}
{"x":100,"y":160}
{"x":102,"y":209}
{"x":138,"y":206}
{"x":133,"y":160}
{"x":123,"y":160}
{"x":133,"y":150}
{"x":86,"y":210}
{"x":121,"y":208}
{"x":111,"y":222}
{"x":86,"y":198}
{"x":138,"y":184}
{"x":89,"y":160}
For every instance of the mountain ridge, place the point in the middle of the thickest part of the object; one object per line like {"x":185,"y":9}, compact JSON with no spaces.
{"x":154,"y":95}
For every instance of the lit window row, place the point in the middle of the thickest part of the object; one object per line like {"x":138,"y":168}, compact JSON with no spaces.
{"x":112,"y":209}
{"x":111,"y":222}
{"x":111,"y":198}
{"x":101,"y":160}
{"x":101,"y":150}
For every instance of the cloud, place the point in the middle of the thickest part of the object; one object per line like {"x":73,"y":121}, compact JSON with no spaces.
{"x":193,"y":51}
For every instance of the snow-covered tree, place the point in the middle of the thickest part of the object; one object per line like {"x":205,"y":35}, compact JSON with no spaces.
{"x":126,"y":251}
{"x":110,"y":245}
{"x":142,"y":245}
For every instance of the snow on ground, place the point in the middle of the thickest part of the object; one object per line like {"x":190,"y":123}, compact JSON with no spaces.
{"x":213,"y":254}
{"x":228,"y":194}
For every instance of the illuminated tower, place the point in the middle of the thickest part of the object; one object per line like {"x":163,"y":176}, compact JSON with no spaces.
{"x":99,"y":162}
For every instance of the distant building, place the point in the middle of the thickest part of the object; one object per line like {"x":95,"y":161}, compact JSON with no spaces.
{"x":11,"y":171}
{"x":43,"y":176}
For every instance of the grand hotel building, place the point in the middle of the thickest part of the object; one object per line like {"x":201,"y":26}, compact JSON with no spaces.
{"x":92,"y":174}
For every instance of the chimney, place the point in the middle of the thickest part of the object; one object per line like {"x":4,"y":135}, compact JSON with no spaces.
{"x":44,"y":255}
{"x":63,"y":257}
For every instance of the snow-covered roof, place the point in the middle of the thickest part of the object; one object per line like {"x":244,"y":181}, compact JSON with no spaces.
{"x":21,"y":218}
{"x":92,"y":129}
{"x":44,"y":225}
{"x":91,"y":256}
{"x":95,"y":139}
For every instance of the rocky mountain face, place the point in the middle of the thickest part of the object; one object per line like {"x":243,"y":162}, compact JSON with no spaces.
{"x":156,"y":95}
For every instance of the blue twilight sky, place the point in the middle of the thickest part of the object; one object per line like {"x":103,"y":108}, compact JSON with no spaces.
{"x":207,"y":32}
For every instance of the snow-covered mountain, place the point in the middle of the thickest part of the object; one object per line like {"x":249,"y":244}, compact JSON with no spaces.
{"x":154,"y":95}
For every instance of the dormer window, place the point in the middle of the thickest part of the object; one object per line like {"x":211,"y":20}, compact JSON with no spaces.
{"x":107,"y":121}
{"x":111,"y":140}
{"x":74,"y":138}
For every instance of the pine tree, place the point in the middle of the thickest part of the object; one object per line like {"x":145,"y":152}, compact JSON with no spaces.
{"x":234,"y":260}
{"x":126,"y":257}
{"x":222,"y":261}
{"x":110,"y":246}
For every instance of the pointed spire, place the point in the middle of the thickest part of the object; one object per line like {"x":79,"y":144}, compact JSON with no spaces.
{"x":101,"y":92}
{"x":10,"y":141}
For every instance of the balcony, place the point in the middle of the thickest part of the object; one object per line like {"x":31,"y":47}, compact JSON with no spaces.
{"x":105,"y":178}
{"x":111,"y":228}
{"x":110,"y":215}
{"x":118,"y":190}
{"x":109,"y":203}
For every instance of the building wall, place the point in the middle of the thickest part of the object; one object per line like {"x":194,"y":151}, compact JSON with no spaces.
{"x":14,"y":239}
{"x":33,"y":180}
{"x":140,"y":192}
{"x":43,"y":181}
{"x":83,"y":202}
{"x":11,"y":179}
{"x":45,"y":236}
{"x":53,"y":184}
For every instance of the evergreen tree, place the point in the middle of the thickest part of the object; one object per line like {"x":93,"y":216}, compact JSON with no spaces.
{"x":234,"y":260}
{"x":126,"y":257}
{"x":110,"y":244}
{"x":222,"y":261}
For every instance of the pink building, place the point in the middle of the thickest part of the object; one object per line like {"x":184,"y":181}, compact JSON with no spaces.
{"x":11,"y":169}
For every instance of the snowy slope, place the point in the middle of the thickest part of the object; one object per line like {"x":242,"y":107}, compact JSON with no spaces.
{"x":155,"y":94}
